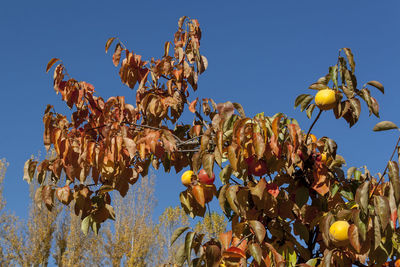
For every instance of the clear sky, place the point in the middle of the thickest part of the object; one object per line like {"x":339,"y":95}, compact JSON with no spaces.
{"x":260,"y":53}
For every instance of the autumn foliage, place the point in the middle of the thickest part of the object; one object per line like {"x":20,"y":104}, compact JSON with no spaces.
{"x":282,"y":190}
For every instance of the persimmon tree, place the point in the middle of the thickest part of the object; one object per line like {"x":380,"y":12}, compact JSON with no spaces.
{"x":281,"y":192}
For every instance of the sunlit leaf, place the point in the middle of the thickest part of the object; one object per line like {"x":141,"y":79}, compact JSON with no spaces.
{"x":188,"y":245}
{"x":259,"y":230}
{"x":109,"y":42}
{"x":256,"y":252}
{"x":239,"y":109}
{"x":384,"y":125}
{"x":85,"y":224}
{"x":377,"y":85}
{"x":51,"y":63}
{"x":377,"y":232}
{"x":166,"y":48}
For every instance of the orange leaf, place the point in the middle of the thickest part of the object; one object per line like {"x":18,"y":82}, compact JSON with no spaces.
{"x":109,"y":42}
{"x":225,"y":239}
{"x":198,"y":193}
{"x":192,"y":106}
{"x":234,"y":252}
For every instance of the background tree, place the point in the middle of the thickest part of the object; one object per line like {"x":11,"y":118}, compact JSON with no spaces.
{"x":133,"y":239}
{"x":283,"y":190}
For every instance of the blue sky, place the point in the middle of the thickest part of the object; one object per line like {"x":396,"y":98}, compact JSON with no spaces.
{"x":261,"y":54}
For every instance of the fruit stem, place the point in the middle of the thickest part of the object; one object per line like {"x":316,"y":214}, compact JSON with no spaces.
{"x":312,"y":125}
{"x":384,"y":172}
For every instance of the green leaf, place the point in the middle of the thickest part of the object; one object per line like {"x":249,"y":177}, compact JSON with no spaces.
{"x":357,"y":175}
{"x":180,"y":255}
{"x":310,"y":110}
{"x":301,"y":230}
{"x":377,"y":233}
{"x":377,"y":85}
{"x":383,"y":210}
{"x":384,"y":126}
{"x":334,"y":190}
{"x":95,"y":227}
{"x":318,"y":86}
{"x":188,"y":245}
{"x":256,"y":252}
{"x":259,"y":230}
{"x":302,"y":195}
{"x":362,"y":230}
{"x":312,"y":262}
{"x":362,"y":196}
{"x":350,"y":58}
{"x":347,"y":194}
{"x":177,"y":233}
{"x":333,"y":74}
{"x":303,"y":100}
{"x":306,"y":102}
{"x":86,"y":222}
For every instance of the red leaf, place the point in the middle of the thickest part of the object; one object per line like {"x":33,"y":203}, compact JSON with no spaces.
{"x":225,"y":239}
{"x":273,"y":189}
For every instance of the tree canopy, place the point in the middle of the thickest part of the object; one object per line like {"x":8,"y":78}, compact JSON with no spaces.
{"x":283,"y":188}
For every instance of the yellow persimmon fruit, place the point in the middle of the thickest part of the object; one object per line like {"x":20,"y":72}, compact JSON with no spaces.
{"x":187,"y":177}
{"x":339,"y":230}
{"x":325,"y":99}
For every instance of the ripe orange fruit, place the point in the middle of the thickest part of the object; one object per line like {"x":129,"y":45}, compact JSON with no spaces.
{"x":339,"y":230}
{"x":187,"y":177}
{"x":325,"y":99}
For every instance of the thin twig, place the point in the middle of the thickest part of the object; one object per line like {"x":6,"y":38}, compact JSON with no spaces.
{"x":188,"y":150}
{"x":230,"y":178}
{"x":243,"y":238}
{"x":188,"y":142}
{"x":153,"y":128}
{"x":384,"y":172}
{"x":312,"y":125}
